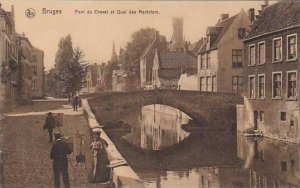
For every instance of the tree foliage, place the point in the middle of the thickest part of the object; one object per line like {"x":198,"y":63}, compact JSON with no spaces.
{"x":140,"y":40}
{"x":70,"y":67}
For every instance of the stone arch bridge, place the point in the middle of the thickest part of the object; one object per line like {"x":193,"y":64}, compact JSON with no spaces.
{"x":210,"y":109}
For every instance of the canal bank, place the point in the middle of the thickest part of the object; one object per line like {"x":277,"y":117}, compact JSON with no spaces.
{"x":121,"y":173}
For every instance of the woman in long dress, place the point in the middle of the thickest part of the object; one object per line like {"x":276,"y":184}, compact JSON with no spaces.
{"x":100,"y":172}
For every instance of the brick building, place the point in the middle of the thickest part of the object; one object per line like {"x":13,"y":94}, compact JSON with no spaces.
{"x":271,"y":73}
{"x":220,"y":62}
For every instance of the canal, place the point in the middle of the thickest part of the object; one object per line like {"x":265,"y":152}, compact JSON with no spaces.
{"x":159,"y":145}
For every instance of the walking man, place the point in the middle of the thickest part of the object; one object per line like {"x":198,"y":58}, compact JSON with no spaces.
{"x":75,"y":103}
{"x":59,"y":153}
{"x":50,"y":125}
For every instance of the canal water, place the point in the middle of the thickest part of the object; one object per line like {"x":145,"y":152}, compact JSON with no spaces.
{"x":158,"y":144}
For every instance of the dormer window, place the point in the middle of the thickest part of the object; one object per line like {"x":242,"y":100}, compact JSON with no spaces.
{"x":241,"y":33}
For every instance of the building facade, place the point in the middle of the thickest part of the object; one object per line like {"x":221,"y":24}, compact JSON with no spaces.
{"x":38,"y":75}
{"x":220,"y":62}
{"x":25,"y":49}
{"x":271,"y":74}
{"x":146,"y":60}
{"x":8,"y":58}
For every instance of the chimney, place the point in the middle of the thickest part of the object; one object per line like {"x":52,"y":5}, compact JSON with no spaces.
{"x":252,"y":14}
{"x":224,"y":16}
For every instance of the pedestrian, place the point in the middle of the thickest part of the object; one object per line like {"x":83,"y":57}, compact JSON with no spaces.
{"x":50,"y":125}
{"x":75,"y":103}
{"x":59,"y":155}
{"x":100,"y":171}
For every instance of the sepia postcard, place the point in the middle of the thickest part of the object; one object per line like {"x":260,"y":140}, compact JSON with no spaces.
{"x":171,"y":94}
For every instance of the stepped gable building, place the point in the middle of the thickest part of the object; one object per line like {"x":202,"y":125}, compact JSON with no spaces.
{"x":271,"y":73}
{"x":220,"y":59}
{"x":169,"y":65}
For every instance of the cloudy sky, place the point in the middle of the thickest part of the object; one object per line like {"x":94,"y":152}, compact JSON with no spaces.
{"x":96,"y":33}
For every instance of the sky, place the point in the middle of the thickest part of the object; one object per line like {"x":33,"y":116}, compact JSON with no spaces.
{"x":95,"y":33}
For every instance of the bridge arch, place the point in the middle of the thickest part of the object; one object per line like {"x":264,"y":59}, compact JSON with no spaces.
{"x":216,"y":110}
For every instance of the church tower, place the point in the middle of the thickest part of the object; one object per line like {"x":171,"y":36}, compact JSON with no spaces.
{"x":177,"y":40}
{"x":114,"y":56}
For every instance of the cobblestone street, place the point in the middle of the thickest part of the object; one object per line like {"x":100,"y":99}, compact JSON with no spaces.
{"x":26,"y":151}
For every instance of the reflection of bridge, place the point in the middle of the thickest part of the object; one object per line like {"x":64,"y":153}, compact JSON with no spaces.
{"x":208,"y":148}
{"x":208,"y":108}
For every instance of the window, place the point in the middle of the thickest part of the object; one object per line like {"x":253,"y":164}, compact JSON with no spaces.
{"x":237,"y":58}
{"x":283,"y":116}
{"x":261,"y":86}
{"x":252,"y":55}
{"x":208,"y":83}
{"x":208,"y":60}
{"x":262,"y":116}
{"x":34,"y":70}
{"x":261,"y":53}
{"x":277,"y":85}
{"x":237,"y":84}
{"x":291,"y":84}
{"x":241,"y":33}
{"x":202,"y":84}
{"x":277,"y":49}
{"x":214,"y":83}
{"x":33,"y":85}
{"x":251,"y":87}
{"x":291,"y":47}
{"x":202,"y":61}
{"x":34,"y":58}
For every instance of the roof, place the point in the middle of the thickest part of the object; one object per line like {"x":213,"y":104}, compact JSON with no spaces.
{"x":176,"y":59}
{"x":218,"y":31}
{"x":278,"y":16}
{"x":195,"y":47}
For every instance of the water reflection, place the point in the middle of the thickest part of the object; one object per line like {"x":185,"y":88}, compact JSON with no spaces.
{"x":160,"y":127}
{"x":201,"y":159}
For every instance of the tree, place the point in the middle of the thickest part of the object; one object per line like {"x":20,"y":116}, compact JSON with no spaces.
{"x":70,"y":67}
{"x":140,"y":40}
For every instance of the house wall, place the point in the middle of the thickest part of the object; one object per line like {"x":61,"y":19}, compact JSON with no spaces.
{"x":209,"y":72}
{"x":8,"y":88}
{"x":272,"y":125}
{"x":39,"y":76}
{"x":188,"y":82}
{"x":228,"y":42}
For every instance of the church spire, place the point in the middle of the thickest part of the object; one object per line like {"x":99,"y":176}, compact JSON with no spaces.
{"x":114,"y":56}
